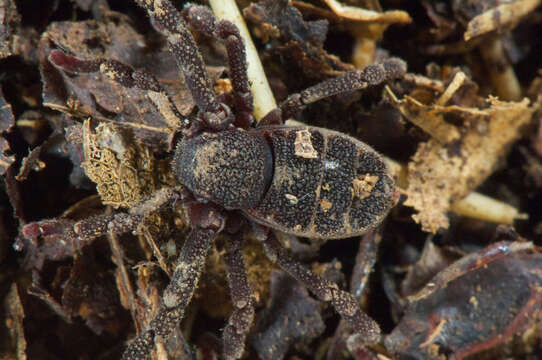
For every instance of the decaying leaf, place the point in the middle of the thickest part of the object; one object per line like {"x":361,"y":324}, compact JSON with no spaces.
{"x":280,"y":18}
{"x":467,"y":146}
{"x":90,"y":293}
{"x":95,"y":95}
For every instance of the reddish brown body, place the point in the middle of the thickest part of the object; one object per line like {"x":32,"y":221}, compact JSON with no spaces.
{"x":302,"y":180}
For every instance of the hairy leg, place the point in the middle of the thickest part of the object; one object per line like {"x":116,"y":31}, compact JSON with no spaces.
{"x":241,"y":294}
{"x":170,"y":23}
{"x":125,"y":76}
{"x":344,"y":303}
{"x":177,"y":294}
{"x":203,"y":20}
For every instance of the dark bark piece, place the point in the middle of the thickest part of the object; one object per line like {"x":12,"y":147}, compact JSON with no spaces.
{"x":292,"y":318}
{"x":344,"y":303}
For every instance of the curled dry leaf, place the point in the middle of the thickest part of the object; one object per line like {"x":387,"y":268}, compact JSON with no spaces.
{"x":460,"y":155}
{"x":475,"y":304}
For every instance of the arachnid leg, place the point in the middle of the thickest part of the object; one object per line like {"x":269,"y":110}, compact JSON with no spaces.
{"x":99,"y":225}
{"x":241,"y":294}
{"x":353,"y":80}
{"x":124,"y":75}
{"x":96,"y":226}
{"x":178,"y":293}
{"x":203,"y":19}
{"x":343,"y":302}
{"x":170,"y":23}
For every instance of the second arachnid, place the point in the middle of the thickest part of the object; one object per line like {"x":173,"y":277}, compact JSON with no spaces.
{"x":305,"y":181}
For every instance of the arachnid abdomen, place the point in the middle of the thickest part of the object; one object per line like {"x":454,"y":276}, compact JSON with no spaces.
{"x":325,"y":184}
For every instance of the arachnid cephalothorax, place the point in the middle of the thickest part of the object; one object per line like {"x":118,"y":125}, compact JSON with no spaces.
{"x":302,"y":180}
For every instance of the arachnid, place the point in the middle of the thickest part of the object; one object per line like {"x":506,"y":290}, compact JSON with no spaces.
{"x":305,"y":181}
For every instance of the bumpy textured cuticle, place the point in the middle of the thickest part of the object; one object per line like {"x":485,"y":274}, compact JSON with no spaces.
{"x":228,"y":167}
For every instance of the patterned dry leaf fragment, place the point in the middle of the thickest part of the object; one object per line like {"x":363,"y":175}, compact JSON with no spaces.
{"x":124,"y":172}
{"x":447,"y":169}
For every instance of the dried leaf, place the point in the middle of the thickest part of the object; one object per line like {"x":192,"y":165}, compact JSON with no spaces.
{"x":448,"y":167}
{"x":90,"y":292}
{"x":124,"y":172}
{"x":96,"y":95}
{"x":279,"y":18}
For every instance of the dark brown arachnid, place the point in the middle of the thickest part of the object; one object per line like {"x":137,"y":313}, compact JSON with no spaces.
{"x":301,"y":180}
